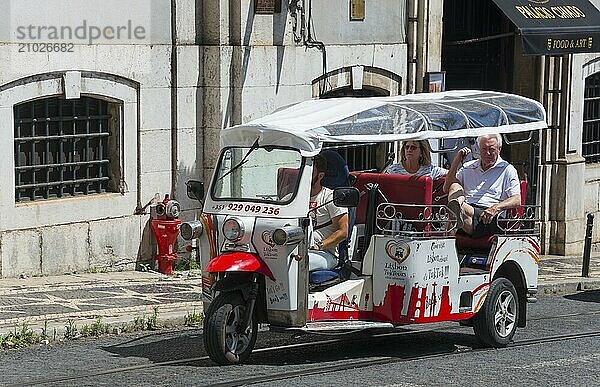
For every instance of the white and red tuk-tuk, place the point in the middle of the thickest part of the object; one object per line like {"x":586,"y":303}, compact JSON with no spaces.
{"x":404,"y":263}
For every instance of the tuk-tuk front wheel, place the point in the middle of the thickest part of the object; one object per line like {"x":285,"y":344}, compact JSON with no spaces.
{"x":496,"y":322}
{"x":225,"y":339}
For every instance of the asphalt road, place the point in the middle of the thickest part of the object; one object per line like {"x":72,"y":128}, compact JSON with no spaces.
{"x":560,"y":346}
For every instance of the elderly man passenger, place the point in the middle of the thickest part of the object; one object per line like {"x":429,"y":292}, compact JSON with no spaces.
{"x":481,"y":189}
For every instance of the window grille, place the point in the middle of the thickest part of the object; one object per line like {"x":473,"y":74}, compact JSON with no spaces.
{"x":358,"y":157}
{"x":65,"y":148}
{"x":591,"y":119}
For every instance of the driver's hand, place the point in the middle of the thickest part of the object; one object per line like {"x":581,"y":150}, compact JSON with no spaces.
{"x":314,"y":247}
{"x":461,"y":155}
{"x":489,"y":213}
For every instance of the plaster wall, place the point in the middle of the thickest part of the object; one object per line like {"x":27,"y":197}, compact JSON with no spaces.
{"x":98,"y":232}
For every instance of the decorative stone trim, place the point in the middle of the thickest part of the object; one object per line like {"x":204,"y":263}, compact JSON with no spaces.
{"x":379,"y":80}
{"x":70,"y":210}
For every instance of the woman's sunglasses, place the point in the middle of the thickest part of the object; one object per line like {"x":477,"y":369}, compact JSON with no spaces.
{"x":411,"y":147}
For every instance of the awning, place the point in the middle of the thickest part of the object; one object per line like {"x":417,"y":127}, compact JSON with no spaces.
{"x":555,"y":27}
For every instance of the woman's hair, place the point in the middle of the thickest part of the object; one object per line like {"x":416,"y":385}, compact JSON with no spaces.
{"x":425,"y":158}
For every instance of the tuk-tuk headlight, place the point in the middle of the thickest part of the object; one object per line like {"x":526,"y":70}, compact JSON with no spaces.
{"x":233,"y":229}
{"x":191,"y":230}
{"x":287,"y":235}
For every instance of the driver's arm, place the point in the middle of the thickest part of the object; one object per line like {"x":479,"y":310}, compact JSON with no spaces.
{"x":340,"y":223}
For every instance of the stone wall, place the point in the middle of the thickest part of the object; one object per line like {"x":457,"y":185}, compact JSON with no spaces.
{"x":99,"y":231}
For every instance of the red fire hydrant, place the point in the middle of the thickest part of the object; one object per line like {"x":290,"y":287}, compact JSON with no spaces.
{"x":165,"y":227}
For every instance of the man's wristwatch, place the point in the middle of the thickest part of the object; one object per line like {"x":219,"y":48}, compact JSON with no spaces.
{"x":319,"y":245}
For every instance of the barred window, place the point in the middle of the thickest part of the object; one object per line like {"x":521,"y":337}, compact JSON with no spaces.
{"x":66,"y":148}
{"x":591,"y":119}
{"x":359,"y":157}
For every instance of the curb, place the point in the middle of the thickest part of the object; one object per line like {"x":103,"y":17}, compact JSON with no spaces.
{"x":566,"y":286}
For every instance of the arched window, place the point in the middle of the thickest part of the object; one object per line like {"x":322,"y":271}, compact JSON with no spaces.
{"x":591,"y":119}
{"x":375,"y":82}
{"x":66,"y":147}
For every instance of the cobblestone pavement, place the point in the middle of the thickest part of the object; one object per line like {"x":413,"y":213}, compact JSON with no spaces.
{"x":117,"y":297}
{"x":121,"y":297}
{"x":558,"y":268}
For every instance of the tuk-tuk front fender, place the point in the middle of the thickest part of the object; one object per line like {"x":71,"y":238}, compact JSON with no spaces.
{"x":239,"y":261}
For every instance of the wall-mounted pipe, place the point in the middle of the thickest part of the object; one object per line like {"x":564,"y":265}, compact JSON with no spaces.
{"x":411,"y":43}
{"x":310,"y":42}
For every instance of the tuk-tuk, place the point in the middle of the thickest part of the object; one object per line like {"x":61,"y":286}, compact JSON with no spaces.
{"x":404,"y":261}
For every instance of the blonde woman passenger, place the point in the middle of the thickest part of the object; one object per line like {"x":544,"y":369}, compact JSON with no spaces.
{"x":415,"y":159}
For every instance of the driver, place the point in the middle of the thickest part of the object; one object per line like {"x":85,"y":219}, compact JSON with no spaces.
{"x":482,"y":188}
{"x":330,"y":223}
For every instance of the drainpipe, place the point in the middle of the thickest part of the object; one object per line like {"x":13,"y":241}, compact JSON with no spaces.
{"x":174,"y":98}
{"x":411,"y":43}
{"x":308,"y":39}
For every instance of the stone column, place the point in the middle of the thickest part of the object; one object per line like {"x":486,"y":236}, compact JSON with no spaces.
{"x":563,"y":168}
{"x":217,"y":39}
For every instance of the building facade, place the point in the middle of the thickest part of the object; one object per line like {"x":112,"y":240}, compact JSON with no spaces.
{"x":98,"y":127}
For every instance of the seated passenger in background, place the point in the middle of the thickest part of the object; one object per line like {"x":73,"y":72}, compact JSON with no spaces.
{"x":415,"y":159}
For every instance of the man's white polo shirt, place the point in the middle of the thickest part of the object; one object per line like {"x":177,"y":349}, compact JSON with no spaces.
{"x":486,"y":188}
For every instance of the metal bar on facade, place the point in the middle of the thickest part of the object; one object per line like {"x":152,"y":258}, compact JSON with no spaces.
{"x":77,"y":163}
{"x":64,"y":119}
{"x":87,"y":145}
{"x":46,"y":156}
{"x":66,"y":182}
{"x":63,"y":137}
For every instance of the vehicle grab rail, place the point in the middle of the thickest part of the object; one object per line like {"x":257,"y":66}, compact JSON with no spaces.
{"x":419,"y":220}
{"x":524,"y":219}
{"x":415,"y":219}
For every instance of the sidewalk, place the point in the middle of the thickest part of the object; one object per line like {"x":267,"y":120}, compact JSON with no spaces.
{"x":121,"y":298}
{"x":558,"y":274}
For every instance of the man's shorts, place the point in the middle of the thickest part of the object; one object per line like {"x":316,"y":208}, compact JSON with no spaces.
{"x":481,"y":229}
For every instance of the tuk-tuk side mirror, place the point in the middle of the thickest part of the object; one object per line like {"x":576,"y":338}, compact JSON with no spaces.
{"x":346,"y":197}
{"x":195,"y":189}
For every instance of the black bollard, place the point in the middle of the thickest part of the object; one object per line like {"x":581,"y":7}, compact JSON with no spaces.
{"x":587,"y":247}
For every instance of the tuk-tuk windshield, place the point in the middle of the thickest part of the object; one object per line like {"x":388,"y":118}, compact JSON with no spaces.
{"x":261,"y":174}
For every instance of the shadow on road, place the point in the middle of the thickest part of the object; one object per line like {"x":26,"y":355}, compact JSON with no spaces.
{"x":587,"y":296}
{"x":159,"y":349}
{"x":358,"y":346}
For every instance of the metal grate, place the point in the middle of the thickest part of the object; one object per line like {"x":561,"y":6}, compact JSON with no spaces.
{"x":591,"y":119}
{"x":358,"y":157}
{"x":61,"y":148}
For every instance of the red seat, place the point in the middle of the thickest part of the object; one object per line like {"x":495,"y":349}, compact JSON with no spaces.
{"x":464,"y":241}
{"x":402,"y":189}
{"x":439,"y":196}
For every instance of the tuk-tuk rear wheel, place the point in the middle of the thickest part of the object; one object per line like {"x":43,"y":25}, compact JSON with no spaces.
{"x":225,"y":340}
{"x":496,"y":322}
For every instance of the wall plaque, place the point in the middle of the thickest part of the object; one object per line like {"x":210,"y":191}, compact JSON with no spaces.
{"x":267,"y":7}
{"x":357,"y":9}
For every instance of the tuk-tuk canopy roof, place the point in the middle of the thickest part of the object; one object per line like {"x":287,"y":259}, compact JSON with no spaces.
{"x":452,"y":114}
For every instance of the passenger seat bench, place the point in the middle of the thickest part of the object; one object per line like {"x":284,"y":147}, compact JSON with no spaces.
{"x":401,"y":189}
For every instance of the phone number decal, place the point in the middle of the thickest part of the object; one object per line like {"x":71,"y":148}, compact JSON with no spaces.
{"x":252,"y":208}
